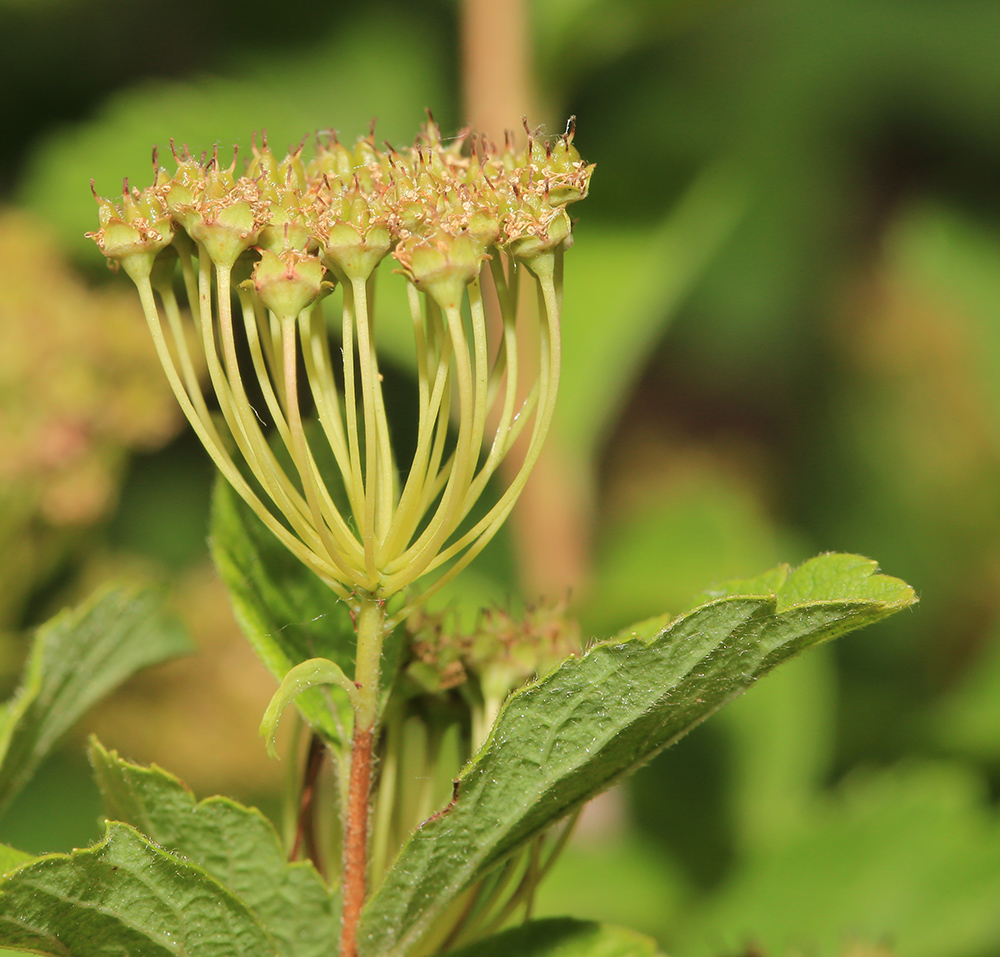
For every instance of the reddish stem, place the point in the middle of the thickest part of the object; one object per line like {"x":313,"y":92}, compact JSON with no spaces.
{"x":305,"y":832}
{"x":356,"y":839}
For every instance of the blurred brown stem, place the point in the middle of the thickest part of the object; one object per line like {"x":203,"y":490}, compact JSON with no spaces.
{"x":305,"y":831}
{"x":495,"y":65}
{"x":552,"y":522}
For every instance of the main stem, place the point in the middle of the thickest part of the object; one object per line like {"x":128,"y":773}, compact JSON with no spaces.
{"x":371,"y":632}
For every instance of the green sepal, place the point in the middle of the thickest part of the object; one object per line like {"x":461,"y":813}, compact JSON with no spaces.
{"x":309,"y":674}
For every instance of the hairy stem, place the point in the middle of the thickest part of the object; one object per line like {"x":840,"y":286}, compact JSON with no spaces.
{"x":356,"y":839}
{"x":371,"y":633}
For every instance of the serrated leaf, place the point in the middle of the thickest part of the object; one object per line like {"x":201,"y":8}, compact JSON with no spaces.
{"x":837,"y":577}
{"x":562,"y":937}
{"x":562,"y":740}
{"x":767,"y":583}
{"x":234,"y":844}
{"x":830,"y":577}
{"x":286,"y":612}
{"x":125,"y":896}
{"x":75,"y":660}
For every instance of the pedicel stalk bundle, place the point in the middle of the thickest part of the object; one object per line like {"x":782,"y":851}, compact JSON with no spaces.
{"x":243,"y":271}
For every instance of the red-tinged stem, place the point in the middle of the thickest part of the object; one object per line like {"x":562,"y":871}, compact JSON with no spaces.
{"x":356,"y":840}
{"x":305,"y":831}
{"x":370,"y":625}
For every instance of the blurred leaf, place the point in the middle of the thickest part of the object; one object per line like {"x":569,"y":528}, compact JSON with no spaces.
{"x":953,"y":265}
{"x":10,"y":858}
{"x":330,"y":83}
{"x":236,"y":845}
{"x":659,"y":550}
{"x":286,"y":612}
{"x":125,"y":896}
{"x":76,"y":659}
{"x":907,"y":856}
{"x":59,"y":808}
{"x":967,"y":720}
{"x":562,"y":937}
{"x":781,"y":742}
{"x":569,"y":46}
{"x":622,"y":289}
{"x":562,"y":740}
{"x":615,"y":878}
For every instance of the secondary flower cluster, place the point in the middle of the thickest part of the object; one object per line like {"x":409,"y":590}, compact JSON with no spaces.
{"x":281,"y":234}
{"x":500,"y":654}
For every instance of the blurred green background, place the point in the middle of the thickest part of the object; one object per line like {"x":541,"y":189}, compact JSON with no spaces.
{"x":782,"y":337}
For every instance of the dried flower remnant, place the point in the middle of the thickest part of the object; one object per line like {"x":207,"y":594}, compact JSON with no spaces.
{"x":500,"y":654}
{"x":280,"y":236}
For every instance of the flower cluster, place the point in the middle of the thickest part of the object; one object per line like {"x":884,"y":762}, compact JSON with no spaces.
{"x":500,"y":654}
{"x":257,"y":252}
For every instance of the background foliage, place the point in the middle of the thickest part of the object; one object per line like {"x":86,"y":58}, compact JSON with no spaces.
{"x":782,"y":338}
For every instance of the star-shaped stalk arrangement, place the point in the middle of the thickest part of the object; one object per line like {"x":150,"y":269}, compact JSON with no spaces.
{"x":265,"y":257}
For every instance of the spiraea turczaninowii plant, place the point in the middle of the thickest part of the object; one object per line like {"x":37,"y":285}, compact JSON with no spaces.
{"x":257,"y":253}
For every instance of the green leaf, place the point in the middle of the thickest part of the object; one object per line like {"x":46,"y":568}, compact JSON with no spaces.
{"x":125,"y":896}
{"x":562,"y":740}
{"x":847,"y":577}
{"x":768,"y":583}
{"x":562,"y":937}
{"x":286,"y":612}
{"x":75,"y":660}
{"x":234,"y":844}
